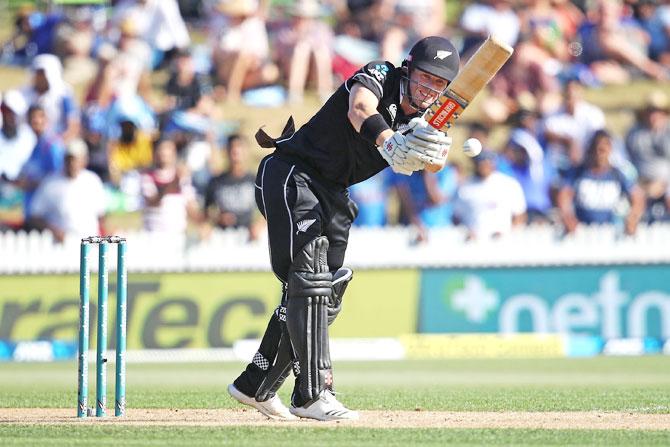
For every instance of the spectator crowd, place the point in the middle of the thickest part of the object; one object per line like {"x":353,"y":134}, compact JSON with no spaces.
{"x":123,"y":111}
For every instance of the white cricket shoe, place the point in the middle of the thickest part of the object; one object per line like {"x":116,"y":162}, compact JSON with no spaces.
{"x":325,"y":408}
{"x":272,"y":408}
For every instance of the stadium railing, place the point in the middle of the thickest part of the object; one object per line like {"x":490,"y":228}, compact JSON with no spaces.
{"x":36,"y":253}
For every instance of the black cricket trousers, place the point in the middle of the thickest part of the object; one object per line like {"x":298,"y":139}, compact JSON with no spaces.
{"x":298,"y":208}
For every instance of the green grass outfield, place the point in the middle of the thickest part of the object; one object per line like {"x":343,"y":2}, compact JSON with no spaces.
{"x":639,"y":385}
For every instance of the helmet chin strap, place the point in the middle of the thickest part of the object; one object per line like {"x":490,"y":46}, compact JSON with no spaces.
{"x":405,"y":90}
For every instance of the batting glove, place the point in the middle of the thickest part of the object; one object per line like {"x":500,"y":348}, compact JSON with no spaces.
{"x":396,"y":153}
{"x":427,"y":144}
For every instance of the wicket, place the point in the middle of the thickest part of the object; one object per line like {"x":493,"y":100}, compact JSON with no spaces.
{"x":101,"y":360}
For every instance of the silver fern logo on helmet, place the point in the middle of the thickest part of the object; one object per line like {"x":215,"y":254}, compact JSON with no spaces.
{"x":442,"y":55}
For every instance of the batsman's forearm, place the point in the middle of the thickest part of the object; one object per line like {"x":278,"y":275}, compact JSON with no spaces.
{"x":362,"y":105}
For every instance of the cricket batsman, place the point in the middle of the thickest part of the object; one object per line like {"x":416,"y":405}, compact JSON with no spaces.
{"x":372,"y":121}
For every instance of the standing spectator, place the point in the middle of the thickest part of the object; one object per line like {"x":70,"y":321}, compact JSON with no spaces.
{"x":46,"y":158}
{"x":159,"y":23}
{"x":490,"y":203}
{"x":304,"y":40}
{"x":49,"y":90}
{"x":426,"y":199}
{"x":242,"y":51}
{"x":169,"y":197}
{"x":569,"y":130}
{"x":524,"y":160}
{"x":648,"y":144}
{"x":594,"y":190}
{"x":71,"y":202}
{"x":232,"y":193}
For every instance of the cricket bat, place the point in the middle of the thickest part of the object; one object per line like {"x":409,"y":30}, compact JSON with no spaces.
{"x":470,"y":80}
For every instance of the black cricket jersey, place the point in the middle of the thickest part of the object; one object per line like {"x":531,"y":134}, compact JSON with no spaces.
{"x":330,"y":147}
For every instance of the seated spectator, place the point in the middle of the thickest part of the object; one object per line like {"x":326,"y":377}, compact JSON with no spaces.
{"x":131,"y":107}
{"x":490,"y":203}
{"x":242,"y":51}
{"x":71,"y":202}
{"x":568,"y":131}
{"x":532,"y":70}
{"x":568,"y":16}
{"x":34,"y":34}
{"x":192,"y":131}
{"x":185,"y":86}
{"x":542,"y":53}
{"x":523,"y":159}
{"x":100,"y":91}
{"x":16,"y":138}
{"x":482,"y":132}
{"x":610,"y":40}
{"x":410,"y":21}
{"x":131,"y":152}
{"x":16,"y":143}
{"x":491,"y":17}
{"x":46,"y":158}
{"x":306,"y":39}
{"x":93,"y":132}
{"x":131,"y":65}
{"x":355,"y":42}
{"x":231,"y":195}
{"x":663,"y":16}
{"x":169,"y":197}
{"x":49,"y":90}
{"x":656,"y":22}
{"x":426,"y":199}
{"x":76,"y":39}
{"x":159,"y":23}
{"x":594,"y":190}
{"x":371,"y":198}
{"x":648,"y":145}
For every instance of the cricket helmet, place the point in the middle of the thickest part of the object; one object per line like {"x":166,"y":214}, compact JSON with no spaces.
{"x":435,"y":55}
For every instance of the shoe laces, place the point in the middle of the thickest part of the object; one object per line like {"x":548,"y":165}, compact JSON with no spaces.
{"x":329,"y":397}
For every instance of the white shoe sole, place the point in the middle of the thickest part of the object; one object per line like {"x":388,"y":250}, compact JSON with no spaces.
{"x":331,"y":415}
{"x":250,"y":401}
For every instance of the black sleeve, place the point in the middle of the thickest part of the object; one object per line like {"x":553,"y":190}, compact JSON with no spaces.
{"x":209,"y":193}
{"x":373,"y":76}
{"x":171,"y":86}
